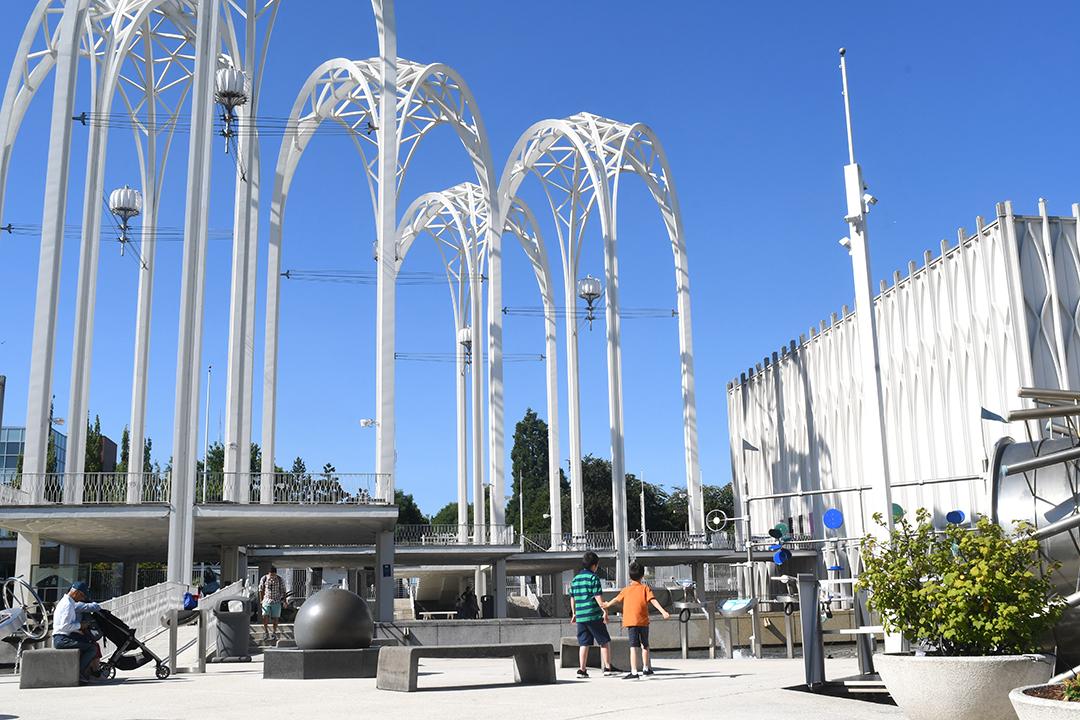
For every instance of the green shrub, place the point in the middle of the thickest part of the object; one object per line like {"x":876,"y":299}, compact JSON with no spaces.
{"x":960,"y":591}
{"x":1071,"y":689}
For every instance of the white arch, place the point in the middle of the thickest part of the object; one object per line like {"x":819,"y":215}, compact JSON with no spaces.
{"x":348,"y":92}
{"x":579,"y":162}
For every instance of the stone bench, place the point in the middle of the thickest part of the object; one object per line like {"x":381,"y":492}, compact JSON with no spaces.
{"x":46,"y":668}
{"x":534,"y":663}
{"x":620,"y":653}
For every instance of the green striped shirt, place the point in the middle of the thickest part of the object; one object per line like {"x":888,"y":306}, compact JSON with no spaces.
{"x":584,"y":589}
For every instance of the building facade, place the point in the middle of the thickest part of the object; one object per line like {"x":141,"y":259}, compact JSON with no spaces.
{"x":13,"y":440}
{"x":958,"y":334}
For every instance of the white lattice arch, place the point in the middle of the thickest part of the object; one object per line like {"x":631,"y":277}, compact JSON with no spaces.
{"x":347,"y":92}
{"x":580,"y":161}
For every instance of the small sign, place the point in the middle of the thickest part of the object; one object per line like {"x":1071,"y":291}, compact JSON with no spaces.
{"x":387,"y":570}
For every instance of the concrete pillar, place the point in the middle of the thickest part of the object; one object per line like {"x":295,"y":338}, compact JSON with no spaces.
{"x":131,"y":577}
{"x":697,"y":573}
{"x":230,"y":563}
{"x":27,"y":554}
{"x":69,"y":555}
{"x":558,"y":597}
{"x":384,"y":576}
{"x":498,"y":582}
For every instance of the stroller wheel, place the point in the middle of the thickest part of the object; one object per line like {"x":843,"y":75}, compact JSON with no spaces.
{"x":162,"y":672}
{"x":108,"y":671}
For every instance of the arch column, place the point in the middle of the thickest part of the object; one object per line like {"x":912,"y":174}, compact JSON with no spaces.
{"x":42,"y":352}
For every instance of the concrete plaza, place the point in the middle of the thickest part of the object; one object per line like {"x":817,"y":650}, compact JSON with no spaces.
{"x":732,"y":689}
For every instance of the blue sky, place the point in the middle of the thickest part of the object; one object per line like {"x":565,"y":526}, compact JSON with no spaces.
{"x":957,"y":106}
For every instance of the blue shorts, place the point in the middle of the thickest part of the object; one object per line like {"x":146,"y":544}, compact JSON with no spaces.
{"x":589,"y":633}
{"x":638,"y":636}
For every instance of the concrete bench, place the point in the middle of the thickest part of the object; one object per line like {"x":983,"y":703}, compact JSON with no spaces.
{"x":534,"y":663}
{"x":620,"y":653}
{"x":46,"y":668}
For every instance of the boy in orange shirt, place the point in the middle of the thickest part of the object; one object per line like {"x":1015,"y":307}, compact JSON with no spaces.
{"x":636,"y":598}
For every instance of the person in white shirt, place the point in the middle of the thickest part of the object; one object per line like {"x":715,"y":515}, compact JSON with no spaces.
{"x":67,"y":626}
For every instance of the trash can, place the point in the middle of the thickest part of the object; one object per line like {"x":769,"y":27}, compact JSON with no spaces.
{"x":233,"y":615}
{"x":487,"y":606}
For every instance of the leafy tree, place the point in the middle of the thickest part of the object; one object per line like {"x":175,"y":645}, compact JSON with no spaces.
{"x":408,"y":511}
{"x":657,"y":516}
{"x":93,"y":445}
{"x":256,"y":458}
{"x":125,"y":451}
{"x":448,"y":515}
{"x":529,"y":470}
{"x":714,"y":497}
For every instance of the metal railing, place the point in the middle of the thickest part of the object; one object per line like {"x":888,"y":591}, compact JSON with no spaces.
{"x":454,"y":535}
{"x":142,"y":609}
{"x":534,"y":542}
{"x":291,"y":488}
{"x":95,"y":488}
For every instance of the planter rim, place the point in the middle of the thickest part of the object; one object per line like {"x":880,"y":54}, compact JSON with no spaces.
{"x":1035,"y":657}
{"x":1018,"y":695}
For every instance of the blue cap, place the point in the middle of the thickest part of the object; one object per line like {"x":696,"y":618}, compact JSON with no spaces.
{"x":83,"y":588}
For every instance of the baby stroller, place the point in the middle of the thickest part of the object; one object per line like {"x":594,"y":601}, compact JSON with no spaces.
{"x":130,"y":653}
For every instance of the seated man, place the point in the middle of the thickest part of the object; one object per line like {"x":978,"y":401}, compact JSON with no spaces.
{"x":67,"y":627}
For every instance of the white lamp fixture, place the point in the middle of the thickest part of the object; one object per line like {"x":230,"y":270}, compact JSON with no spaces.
{"x":230,"y":92}
{"x":590,"y":289}
{"x":125,"y":203}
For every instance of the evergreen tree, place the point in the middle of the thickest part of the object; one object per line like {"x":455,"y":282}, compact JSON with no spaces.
{"x":529,"y":474}
{"x":256,"y":458}
{"x":409,"y":512}
{"x":93,"y":446}
{"x":125,"y":451}
{"x":148,"y":445}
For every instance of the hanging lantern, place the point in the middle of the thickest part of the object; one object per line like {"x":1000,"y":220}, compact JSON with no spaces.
{"x":230,"y":92}
{"x":589,"y":289}
{"x":465,"y":339}
{"x":125,"y":203}
{"x":230,"y":88}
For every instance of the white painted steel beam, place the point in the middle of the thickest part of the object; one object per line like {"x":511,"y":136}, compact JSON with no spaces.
{"x":189,"y":344}
{"x":42,"y":353}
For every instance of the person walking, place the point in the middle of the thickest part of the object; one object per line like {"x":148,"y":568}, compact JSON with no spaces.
{"x":636,"y":598}
{"x":271,"y":596}
{"x":590,"y":616}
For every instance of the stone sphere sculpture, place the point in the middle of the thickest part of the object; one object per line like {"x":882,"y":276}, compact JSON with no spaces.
{"x":333,"y":619}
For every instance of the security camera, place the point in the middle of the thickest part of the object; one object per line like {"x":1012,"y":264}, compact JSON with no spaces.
{"x":869,"y":199}
{"x":845,"y":242}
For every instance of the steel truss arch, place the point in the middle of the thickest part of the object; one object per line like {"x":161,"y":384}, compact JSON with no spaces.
{"x":579,"y":162}
{"x":457,"y":220}
{"x":348,"y":92}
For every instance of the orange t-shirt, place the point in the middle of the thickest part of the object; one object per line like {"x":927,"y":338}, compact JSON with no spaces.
{"x":635,"y":599}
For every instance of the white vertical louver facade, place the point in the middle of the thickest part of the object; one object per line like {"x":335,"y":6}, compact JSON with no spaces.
{"x":958,"y":333}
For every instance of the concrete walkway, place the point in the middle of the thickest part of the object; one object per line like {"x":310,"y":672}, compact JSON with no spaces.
{"x":731,"y":689}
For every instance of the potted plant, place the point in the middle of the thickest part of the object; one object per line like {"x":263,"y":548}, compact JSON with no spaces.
{"x":974,"y":603}
{"x":1047,"y":702}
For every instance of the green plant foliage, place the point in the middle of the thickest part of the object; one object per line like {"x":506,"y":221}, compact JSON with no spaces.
{"x":1070,"y":689}
{"x":960,"y":591}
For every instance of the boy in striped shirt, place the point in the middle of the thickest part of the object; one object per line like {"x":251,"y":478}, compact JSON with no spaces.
{"x":590,"y":616}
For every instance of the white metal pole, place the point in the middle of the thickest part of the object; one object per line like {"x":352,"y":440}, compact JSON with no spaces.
{"x":462,"y":437}
{"x":641,"y":498}
{"x":387,"y":239}
{"x":573,"y":407}
{"x":875,"y":470}
{"x":615,"y":412}
{"x":189,"y":341}
{"x":206,"y":433}
{"x":43,"y":347}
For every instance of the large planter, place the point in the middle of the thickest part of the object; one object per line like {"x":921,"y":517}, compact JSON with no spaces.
{"x":1028,"y":707}
{"x":960,"y":688}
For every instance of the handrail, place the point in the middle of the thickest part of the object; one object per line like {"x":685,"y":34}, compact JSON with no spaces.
{"x":142,"y":609}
